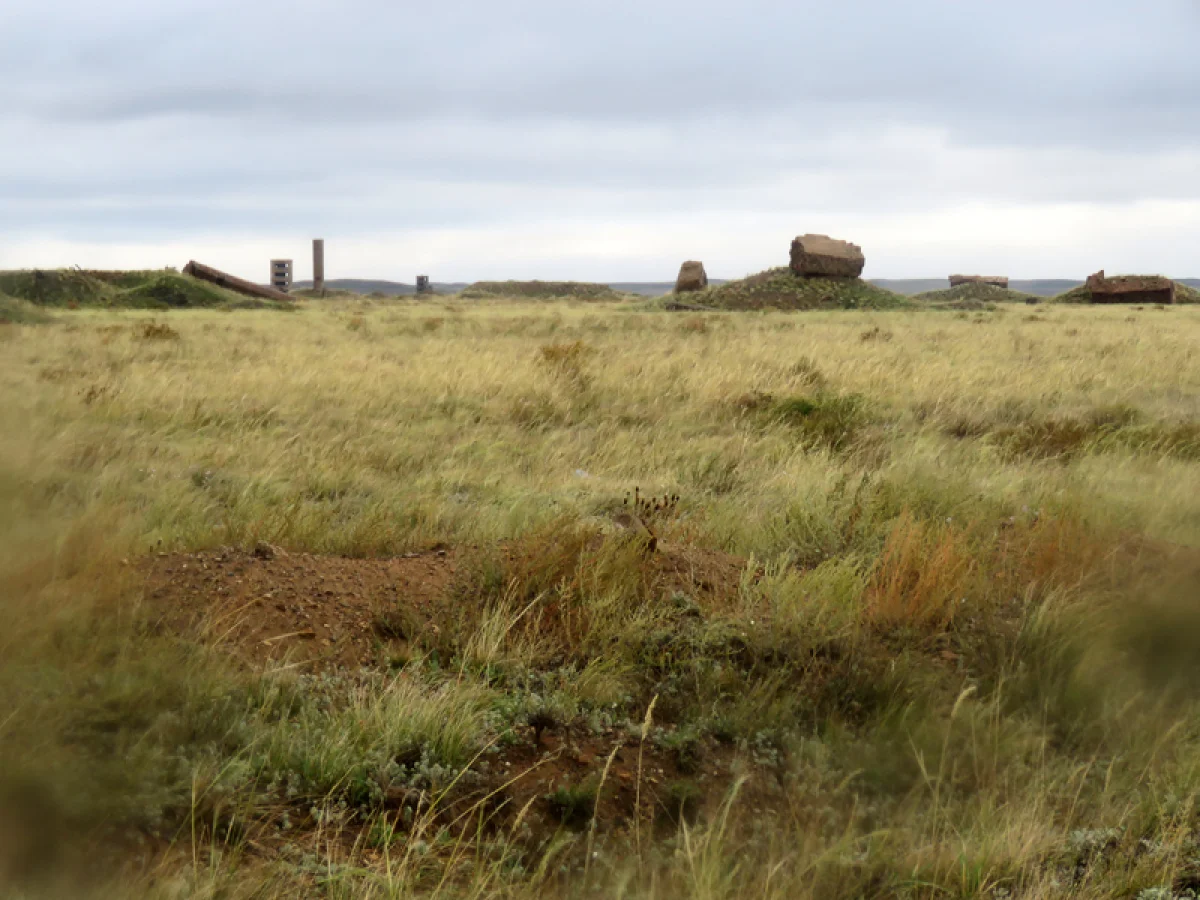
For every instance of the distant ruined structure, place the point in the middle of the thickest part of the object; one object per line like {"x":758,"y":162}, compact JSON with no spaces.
{"x":819,"y":254}
{"x":232,"y":282}
{"x":319,"y":266}
{"x":1000,"y":281}
{"x":281,"y":275}
{"x":423,"y":285}
{"x":692,"y":277}
{"x":1130,"y":288}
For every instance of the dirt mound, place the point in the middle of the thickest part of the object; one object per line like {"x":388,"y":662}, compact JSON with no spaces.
{"x":72,"y":288}
{"x":973,"y":292}
{"x":541,"y":290}
{"x":780,"y":289}
{"x":269,"y":607}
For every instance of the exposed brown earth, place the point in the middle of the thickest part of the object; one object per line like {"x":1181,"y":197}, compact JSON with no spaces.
{"x":270,"y":607}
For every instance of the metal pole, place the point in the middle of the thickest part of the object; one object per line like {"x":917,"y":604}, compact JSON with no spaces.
{"x":318,"y":265}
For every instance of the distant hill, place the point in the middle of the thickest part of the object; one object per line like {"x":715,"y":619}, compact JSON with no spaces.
{"x":390,"y":288}
{"x":400,"y":289}
{"x":1042,"y":287}
{"x":654,"y":288}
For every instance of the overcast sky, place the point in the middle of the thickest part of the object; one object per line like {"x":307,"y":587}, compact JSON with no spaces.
{"x":601,"y":140}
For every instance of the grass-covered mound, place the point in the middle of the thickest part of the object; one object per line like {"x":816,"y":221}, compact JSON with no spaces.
{"x":541,"y":290}
{"x":1081,"y":294}
{"x":972,"y":294}
{"x":20,"y":312}
{"x":159,"y":289}
{"x":780,"y":289}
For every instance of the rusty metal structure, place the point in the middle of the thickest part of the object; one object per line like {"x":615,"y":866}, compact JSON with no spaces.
{"x":232,"y":282}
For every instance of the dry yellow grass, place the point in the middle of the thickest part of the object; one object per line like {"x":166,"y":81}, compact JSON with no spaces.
{"x":447,"y":423}
{"x":944,"y":514}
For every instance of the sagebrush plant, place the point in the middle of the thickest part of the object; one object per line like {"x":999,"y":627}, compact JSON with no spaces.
{"x":959,"y":658}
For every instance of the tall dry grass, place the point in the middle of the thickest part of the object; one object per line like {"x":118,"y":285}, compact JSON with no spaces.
{"x":958,"y":663}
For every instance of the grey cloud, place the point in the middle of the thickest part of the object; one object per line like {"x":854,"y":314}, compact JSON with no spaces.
{"x":967,"y":64}
{"x":198,"y":115}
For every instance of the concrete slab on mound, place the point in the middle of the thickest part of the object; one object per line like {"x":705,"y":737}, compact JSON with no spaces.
{"x":692,"y":277}
{"x":819,"y":254}
{"x":1130,"y":288}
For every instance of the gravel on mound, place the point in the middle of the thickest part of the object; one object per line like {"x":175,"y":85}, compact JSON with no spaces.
{"x":780,"y":289}
{"x":541,"y":290}
{"x":1081,"y":294}
{"x":976,"y":292}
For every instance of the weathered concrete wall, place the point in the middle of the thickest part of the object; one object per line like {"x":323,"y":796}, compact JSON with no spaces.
{"x":318,"y":264}
{"x":1130,"y":288}
{"x":819,"y":254}
{"x":692,"y":277}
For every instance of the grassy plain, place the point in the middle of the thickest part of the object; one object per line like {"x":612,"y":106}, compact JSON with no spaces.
{"x":960,"y":659}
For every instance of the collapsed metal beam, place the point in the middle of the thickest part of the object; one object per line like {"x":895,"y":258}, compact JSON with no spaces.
{"x":233,"y":283}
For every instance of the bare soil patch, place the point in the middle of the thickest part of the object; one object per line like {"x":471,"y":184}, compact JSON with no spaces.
{"x":269,"y":607}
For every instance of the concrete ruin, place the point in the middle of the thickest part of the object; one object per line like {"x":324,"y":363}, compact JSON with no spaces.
{"x":1130,"y":288}
{"x":232,"y":282}
{"x":692,"y":277}
{"x":1000,"y":281}
{"x":319,"y":266}
{"x":819,"y":254}
{"x":281,"y":274}
{"x":423,"y":285}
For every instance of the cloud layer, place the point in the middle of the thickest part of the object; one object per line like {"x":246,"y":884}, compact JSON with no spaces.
{"x":550,"y":139}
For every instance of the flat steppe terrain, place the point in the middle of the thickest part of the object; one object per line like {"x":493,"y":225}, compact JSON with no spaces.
{"x":379,"y":599}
